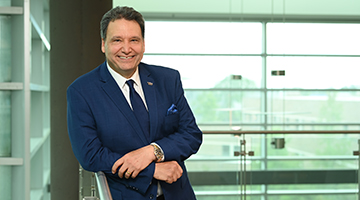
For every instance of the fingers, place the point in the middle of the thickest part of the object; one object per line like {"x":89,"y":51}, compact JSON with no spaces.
{"x":134,"y":174}
{"x":122,"y":171}
{"x":116,"y":165}
{"x":130,"y":174}
{"x":168,"y":171}
{"x":125,"y":169}
{"x":127,"y":174}
{"x":133,"y":162}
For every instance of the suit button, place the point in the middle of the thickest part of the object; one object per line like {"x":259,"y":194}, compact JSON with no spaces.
{"x":151,"y":196}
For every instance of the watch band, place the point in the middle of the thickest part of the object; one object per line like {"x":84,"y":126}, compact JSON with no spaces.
{"x":158,"y":153}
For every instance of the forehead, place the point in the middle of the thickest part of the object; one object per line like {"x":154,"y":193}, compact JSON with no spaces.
{"x":124,"y":28}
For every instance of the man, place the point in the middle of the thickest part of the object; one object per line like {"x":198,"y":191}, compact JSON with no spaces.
{"x":143,"y":154}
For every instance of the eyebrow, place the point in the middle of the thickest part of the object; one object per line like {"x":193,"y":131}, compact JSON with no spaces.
{"x":115,"y":37}
{"x":119,"y":37}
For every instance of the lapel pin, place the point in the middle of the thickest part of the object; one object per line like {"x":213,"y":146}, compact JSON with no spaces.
{"x":150,"y":83}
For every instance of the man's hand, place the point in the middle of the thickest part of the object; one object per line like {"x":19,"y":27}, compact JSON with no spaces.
{"x":169,"y":171}
{"x":134,"y":162}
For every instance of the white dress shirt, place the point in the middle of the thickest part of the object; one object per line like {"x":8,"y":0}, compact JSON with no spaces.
{"x":121,"y":81}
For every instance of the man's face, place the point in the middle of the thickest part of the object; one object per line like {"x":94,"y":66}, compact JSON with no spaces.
{"x":124,"y":46}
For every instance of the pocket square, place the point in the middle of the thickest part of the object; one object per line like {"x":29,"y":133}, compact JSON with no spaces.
{"x":172,"y":110}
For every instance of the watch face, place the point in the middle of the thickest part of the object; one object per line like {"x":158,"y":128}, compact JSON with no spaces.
{"x":158,"y":153}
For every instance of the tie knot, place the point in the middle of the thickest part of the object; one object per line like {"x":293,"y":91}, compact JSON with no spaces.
{"x":130,"y":83}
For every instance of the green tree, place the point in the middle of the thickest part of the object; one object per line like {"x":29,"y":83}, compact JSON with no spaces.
{"x":331,"y":110}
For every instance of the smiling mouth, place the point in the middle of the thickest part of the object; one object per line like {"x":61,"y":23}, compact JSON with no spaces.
{"x":126,"y":57}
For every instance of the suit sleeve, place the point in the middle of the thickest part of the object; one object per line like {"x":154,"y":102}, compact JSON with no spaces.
{"x":87,"y":147}
{"x":187,"y":138}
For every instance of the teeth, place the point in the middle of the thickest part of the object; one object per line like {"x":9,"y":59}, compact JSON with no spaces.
{"x":122,"y":57}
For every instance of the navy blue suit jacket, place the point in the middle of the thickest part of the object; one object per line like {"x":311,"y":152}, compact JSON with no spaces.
{"x":102,"y":128}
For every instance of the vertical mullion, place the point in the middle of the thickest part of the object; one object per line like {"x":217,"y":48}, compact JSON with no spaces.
{"x":264,"y":107}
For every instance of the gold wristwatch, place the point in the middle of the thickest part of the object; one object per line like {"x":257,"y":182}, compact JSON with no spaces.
{"x":158,"y":152}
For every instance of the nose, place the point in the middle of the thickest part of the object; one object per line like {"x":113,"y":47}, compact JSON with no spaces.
{"x":126,"y":48}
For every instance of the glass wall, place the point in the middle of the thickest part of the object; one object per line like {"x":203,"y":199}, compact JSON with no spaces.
{"x":24,"y":100}
{"x":5,"y":76}
{"x":267,"y":77}
{"x":5,"y":104}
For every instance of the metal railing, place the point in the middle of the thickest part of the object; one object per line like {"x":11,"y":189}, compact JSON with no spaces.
{"x":284,"y":132}
{"x":103,"y":187}
{"x":93,"y":186}
{"x":274,"y":176}
{"x":197,"y":177}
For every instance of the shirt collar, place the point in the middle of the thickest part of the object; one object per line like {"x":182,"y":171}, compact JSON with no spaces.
{"x":120,"y":80}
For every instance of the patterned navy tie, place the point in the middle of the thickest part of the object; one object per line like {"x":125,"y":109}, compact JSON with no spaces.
{"x":139,"y":108}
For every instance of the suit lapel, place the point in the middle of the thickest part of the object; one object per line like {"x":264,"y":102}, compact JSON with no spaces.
{"x":114,"y":93}
{"x":149,"y":86}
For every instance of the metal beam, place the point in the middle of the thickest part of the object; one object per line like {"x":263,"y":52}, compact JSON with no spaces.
{"x":275,"y":177}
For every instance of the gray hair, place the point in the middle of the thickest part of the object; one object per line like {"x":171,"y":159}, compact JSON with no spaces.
{"x":123,"y":12}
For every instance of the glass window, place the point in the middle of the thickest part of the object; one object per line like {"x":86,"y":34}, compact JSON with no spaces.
{"x":5,"y":49}
{"x":320,"y":193}
{"x":5,"y":124}
{"x":314,"y":72}
{"x":213,"y":71}
{"x":5,"y":76}
{"x":230,"y":85}
{"x":313,"y":38}
{"x":306,"y":107}
{"x":5,"y":182}
{"x":5,"y":104}
{"x":225,"y":107}
{"x":203,"y":37}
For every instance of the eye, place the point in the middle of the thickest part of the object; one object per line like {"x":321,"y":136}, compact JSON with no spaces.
{"x":116,"y":40}
{"x":135,"y":40}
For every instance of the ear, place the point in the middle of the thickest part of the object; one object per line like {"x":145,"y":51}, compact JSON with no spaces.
{"x":102,"y":45}
{"x":144,"y":46}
